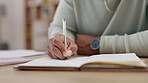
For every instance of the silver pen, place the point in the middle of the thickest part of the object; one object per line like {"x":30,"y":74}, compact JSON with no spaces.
{"x":68,"y":52}
{"x":64,"y":32}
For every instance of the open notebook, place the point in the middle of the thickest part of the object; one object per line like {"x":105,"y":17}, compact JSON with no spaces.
{"x":94,"y":62}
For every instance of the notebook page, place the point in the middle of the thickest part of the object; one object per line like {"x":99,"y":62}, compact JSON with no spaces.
{"x":124,"y":59}
{"x":48,"y":62}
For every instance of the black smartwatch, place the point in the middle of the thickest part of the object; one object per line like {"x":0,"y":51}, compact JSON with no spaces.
{"x":95,"y":44}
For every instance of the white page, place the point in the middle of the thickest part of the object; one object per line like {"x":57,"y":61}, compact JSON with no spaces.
{"x":19,"y":53}
{"x":48,"y":62}
{"x":123,"y":59}
{"x":14,"y":60}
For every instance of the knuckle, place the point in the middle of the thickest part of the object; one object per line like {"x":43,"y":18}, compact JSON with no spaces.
{"x":55,"y":41}
{"x":74,"y":48}
{"x":50,"y":40}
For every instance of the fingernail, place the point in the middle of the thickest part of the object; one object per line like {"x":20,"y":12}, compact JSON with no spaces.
{"x":65,"y":54}
{"x":69,"y":52}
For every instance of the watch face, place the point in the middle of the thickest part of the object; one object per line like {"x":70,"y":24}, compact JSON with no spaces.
{"x":95,"y":44}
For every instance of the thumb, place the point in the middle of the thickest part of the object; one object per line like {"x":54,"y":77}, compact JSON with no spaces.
{"x":73,"y":48}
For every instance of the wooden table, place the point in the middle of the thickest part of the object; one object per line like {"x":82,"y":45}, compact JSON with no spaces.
{"x":10,"y":75}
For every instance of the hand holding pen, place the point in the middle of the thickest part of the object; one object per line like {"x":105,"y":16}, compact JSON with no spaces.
{"x":68,"y":52}
{"x":60,"y":46}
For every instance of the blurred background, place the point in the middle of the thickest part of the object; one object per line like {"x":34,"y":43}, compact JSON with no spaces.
{"x":24,"y":23}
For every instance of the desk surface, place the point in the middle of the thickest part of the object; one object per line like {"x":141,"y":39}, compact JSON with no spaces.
{"x":10,"y":75}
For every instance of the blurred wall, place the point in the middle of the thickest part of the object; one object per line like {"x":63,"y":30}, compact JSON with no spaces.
{"x":13,"y":24}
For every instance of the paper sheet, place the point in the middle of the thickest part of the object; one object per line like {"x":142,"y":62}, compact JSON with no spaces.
{"x":15,"y":56}
{"x":14,"y":60}
{"x":19,"y":53}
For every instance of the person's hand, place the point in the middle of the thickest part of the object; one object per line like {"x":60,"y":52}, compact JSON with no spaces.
{"x":83,"y":42}
{"x":57,"y":50}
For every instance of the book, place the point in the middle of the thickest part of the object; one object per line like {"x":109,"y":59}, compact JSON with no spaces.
{"x":95,"y":62}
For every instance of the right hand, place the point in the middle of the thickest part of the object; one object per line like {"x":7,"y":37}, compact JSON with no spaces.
{"x":57,"y":50}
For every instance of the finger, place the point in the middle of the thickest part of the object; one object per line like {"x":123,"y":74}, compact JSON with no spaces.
{"x":59,"y":44}
{"x":50,"y":55}
{"x":68,"y":53}
{"x":73,"y":48}
{"x":57,"y":53}
{"x":54,"y":56}
{"x":50,"y":46}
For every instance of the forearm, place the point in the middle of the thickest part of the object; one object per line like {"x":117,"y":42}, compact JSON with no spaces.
{"x":137,"y":43}
{"x":64,"y":10}
{"x":55,"y":29}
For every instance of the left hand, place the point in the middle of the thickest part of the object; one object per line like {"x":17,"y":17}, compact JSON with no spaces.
{"x":83,"y":42}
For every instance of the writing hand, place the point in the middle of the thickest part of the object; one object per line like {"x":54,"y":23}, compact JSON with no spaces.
{"x":57,"y":50}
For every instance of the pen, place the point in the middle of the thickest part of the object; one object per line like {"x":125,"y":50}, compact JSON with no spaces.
{"x":68,"y":52}
{"x":64,"y":32}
